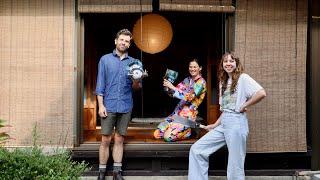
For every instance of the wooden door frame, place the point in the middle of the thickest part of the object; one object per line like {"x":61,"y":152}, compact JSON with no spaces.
{"x":212,"y":110}
{"x":228,"y":41}
{"x":79,"y":44}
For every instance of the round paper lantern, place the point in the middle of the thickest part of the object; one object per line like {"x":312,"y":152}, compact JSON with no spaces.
{"x":152,"y":33}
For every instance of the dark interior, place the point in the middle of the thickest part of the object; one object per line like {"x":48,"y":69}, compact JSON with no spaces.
{"x":195,"y":35}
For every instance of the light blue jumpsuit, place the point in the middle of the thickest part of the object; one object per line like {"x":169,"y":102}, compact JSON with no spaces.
{"x":233,"y":132}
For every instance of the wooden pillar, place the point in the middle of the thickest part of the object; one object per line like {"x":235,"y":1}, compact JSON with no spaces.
{"x":314,"y":44}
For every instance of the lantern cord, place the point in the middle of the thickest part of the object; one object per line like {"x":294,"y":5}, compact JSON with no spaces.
{"x":141,"y":29}
{"x":142,"y":107}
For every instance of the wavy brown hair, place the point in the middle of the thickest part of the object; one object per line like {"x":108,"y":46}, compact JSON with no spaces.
{"x":223,"y":75}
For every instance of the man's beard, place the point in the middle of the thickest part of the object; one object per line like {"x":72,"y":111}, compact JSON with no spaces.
{"x":122,"y":51}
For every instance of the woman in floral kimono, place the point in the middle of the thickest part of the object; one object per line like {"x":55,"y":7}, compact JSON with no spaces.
{"x":191,"y":92}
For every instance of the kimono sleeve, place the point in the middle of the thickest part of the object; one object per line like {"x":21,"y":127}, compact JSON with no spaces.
{"x":198,"y":88}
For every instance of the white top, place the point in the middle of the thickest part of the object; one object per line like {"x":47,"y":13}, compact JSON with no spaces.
{"x":245,"y":89}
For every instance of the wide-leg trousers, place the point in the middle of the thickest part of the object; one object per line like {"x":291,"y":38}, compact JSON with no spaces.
{"x":233,"y":132}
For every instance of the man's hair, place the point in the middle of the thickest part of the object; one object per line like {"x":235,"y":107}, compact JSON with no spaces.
{"x":124,"y":32}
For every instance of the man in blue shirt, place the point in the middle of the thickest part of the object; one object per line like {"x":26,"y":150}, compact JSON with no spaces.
{"x":114,"y":94}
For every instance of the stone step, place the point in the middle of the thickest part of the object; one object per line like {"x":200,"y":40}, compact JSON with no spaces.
{"x":210,"y":178}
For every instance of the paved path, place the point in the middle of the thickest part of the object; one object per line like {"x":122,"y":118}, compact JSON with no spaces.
{"x":210,"y":178}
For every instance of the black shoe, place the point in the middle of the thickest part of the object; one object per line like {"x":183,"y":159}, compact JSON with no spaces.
{"x":101,"y":176}
{"x":117,"y":176}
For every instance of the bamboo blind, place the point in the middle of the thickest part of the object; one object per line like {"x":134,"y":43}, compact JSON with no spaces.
{"x":36,"y":70}
{"x":114,"y":6}
{"x":197,"y":5}
{"x":271,"y":40}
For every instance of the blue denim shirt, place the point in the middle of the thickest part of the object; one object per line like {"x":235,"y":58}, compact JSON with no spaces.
{"x":114,"y":84}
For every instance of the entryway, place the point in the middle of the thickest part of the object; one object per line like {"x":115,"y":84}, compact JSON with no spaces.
{"x":195,"y":35}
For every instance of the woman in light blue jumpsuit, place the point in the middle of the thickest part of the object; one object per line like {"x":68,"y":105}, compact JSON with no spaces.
{"x":237,"y":92}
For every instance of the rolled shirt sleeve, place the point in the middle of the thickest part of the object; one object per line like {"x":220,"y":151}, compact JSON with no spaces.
{"x":246,"y":88}
{"x":101,"y":80}
{"x":251,"y":86}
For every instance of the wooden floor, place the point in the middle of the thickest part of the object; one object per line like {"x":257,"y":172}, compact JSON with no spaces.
{"x":138,"y":135}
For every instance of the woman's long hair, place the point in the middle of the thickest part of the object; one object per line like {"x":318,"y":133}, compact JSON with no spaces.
{"x":223,"y":75}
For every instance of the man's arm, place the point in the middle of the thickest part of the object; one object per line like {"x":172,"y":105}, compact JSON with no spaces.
{"x":102,"y":110}
{"x":136,"y":84}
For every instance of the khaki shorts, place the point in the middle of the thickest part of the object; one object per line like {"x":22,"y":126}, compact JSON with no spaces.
{"x":119,"y":121}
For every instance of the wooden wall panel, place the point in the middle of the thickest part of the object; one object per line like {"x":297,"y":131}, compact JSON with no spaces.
{"x":36,"y":70}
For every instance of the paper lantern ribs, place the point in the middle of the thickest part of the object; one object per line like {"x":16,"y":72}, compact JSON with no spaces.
{"x":152,"y":33}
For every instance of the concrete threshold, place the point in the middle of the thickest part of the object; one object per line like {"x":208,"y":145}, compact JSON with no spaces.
{"x":210,"y":178}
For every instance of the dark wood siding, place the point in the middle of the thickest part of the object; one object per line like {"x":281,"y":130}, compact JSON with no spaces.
{"x":315,"y":82}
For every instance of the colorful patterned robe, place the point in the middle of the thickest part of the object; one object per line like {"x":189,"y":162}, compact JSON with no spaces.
{"x":191,"y":94}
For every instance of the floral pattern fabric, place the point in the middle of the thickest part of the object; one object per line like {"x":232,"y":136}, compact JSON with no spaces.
{"x":191,"y":94}
{"x":229,"y":100}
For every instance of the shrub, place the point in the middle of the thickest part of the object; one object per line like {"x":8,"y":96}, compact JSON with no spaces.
{"x":32,"y":163}
{"x":3,"y":135}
